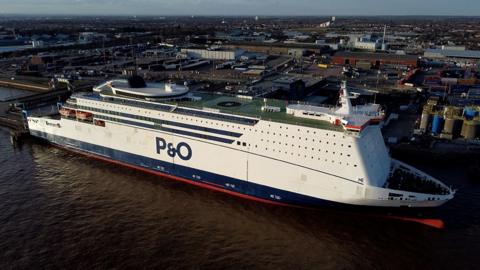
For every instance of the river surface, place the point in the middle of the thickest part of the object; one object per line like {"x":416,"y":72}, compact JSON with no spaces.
{"x":60,"y":210}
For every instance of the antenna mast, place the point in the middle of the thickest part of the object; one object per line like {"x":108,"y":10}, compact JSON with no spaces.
{"x":384,"y":34}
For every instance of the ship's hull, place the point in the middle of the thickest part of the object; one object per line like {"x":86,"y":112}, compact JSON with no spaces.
{"x":183,"y":173}
{"x":228,"y":185}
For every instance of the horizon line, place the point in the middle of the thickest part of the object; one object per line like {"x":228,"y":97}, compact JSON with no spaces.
{"x":232,"y":15}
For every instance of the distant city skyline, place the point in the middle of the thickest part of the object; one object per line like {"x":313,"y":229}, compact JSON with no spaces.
{"x":242,"y":7}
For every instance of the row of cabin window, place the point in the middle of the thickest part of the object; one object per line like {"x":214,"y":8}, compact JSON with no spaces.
{"x":140,"y":117}
{"x":306,"y":148}
{"x":305,"y":156}
{"x":306,"y":139}
{"x":312,"y":157}
{"x":319,"y":150}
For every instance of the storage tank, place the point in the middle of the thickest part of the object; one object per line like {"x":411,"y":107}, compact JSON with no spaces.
{"x":448,"y":127}
{"x":452,"y":126}
{"x":471,"y":129}
{"x":437,"y":124}
{"x":425,"y":121}
{"x":469,"y":113}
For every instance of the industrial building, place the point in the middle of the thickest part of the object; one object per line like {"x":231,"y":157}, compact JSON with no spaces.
{"x":275,"y":49}
{"x":367,"y":45}
{"x":374,"y":60}
{"x":88,"y":37}
{"x":452,"y":54}
{"x":217,"y":54}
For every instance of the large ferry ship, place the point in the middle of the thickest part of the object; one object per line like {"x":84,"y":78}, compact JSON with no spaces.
{"x":261,"y":149}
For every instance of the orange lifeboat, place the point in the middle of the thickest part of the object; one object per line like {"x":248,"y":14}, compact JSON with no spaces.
{"x":99,"y":123}
{"x":67,"y":112}
{"x":84,"y":115}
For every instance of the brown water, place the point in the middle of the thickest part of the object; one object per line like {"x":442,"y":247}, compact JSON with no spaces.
{"x":61,"y":210}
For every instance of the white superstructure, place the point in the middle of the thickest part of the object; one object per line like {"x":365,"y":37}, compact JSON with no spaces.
{"x":241,"y":146}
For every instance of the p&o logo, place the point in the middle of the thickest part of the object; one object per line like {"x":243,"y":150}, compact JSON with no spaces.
{"x":182,"y":149}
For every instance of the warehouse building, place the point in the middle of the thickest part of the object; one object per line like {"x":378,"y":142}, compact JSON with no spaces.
{"x":218,"y":54}
{"x":275,"y":49}
{"x":374,"y":60}
{"x":452,"y":54}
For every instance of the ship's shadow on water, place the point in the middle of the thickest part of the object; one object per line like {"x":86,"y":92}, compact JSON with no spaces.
{"x":62,"y":210}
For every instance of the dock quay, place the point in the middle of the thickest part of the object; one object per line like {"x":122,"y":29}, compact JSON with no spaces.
{"x":42,"y":101}
{"x":12,"y":111}
{"x":39,"y":85}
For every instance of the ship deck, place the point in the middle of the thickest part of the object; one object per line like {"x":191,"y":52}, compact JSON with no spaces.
{"x":238,"y":106}
{"x":253,"y":108}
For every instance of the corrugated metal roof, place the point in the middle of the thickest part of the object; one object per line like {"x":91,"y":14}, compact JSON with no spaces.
{"x":452,"y":53}
{"x":385,"y":56}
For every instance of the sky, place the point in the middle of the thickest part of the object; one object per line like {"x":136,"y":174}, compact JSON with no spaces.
{"x":242,"y":7}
